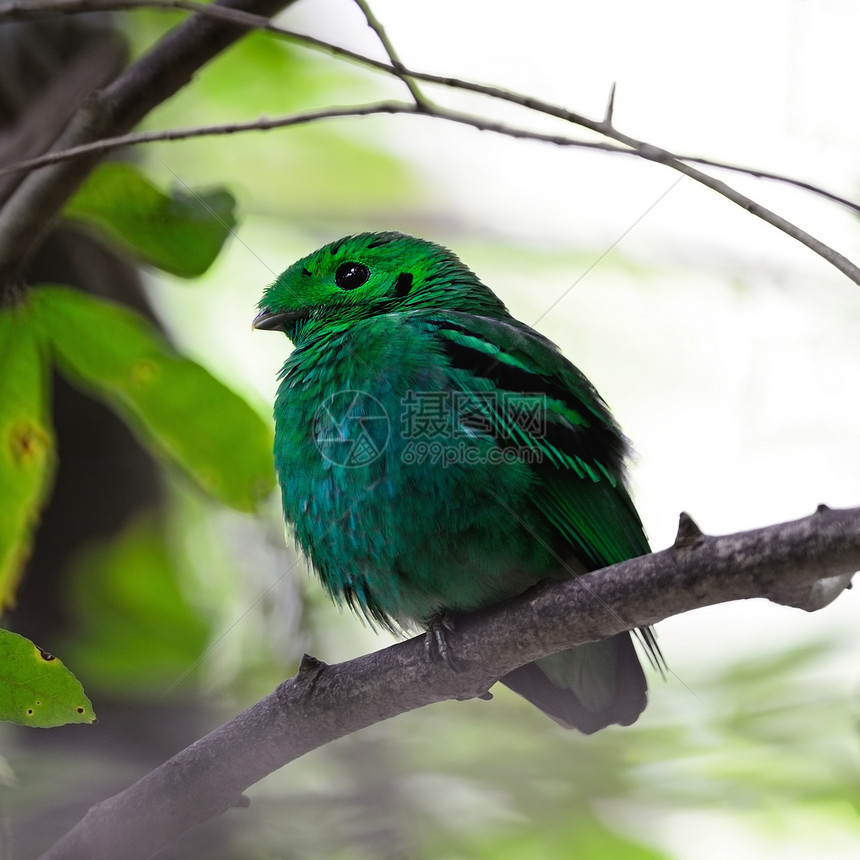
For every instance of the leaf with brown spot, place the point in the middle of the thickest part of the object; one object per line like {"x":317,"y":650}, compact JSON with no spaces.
{"x":26,"y":444}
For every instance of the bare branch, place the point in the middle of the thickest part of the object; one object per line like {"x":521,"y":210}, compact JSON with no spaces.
{"x":661,"y":156}
{"x":610,"y":106}
{"x":17,"y":9}
{"x":641,"y":149}
{"x":806,"y":563}
{"x":46,"y":114}
{"x":629,"y":145}
{"x":775,"y":177}
{"x":267,"y":124}
{"x":25,"y":10}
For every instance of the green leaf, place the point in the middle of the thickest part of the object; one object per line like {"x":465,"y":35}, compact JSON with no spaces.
{"x":179,"y":232}
{"x":139,"y":632}
{"x":36,"y":689}
{"x":26,"y":444}
{"x":177,"y":406}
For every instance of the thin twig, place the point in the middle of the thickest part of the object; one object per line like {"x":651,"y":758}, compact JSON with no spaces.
{"x":641,"y":149}
{"x":267,"y":124}
{"x":18,"y":10}
{"x":399,"y":69}
{"x":756,"y":173}
{"x":610,"y":106}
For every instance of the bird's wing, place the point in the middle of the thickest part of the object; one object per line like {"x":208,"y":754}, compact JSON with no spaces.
{"x":530,"y":397}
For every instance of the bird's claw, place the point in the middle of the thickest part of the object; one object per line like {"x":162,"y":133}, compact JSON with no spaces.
{"x":439,"y":649}
{"x":436,"y":641}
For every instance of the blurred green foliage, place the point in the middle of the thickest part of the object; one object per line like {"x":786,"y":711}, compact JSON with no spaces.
{"x":337,"y":169}
{"x":139,"y":632}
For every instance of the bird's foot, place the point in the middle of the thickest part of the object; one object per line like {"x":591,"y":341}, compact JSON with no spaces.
{"x":436,"y":643}
{"x":439,"y":650}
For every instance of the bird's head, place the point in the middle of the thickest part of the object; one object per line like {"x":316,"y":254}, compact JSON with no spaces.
{"x":366,"y":275}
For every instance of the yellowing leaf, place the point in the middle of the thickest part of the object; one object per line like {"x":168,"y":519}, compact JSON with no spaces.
{"x":179,"y":232}
{"x":36,"y":689}
{"x":26,"y":444}
{"x":178,"y":407}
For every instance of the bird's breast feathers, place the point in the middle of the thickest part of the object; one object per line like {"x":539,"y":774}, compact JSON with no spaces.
{"x":390,"y":479}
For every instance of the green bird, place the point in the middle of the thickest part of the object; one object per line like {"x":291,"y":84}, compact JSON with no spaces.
{"x":436,"y":455}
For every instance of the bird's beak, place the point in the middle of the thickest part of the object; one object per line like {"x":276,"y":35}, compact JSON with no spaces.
{"x":274,"y":320}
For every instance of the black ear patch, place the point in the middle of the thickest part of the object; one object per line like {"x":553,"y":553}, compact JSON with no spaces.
{"x":402,"y":285}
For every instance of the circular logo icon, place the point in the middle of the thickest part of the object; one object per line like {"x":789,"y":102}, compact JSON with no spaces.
{"x":351,"y":428}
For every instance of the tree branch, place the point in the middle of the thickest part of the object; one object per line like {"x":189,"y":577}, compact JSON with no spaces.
{"x":17,"y":9}
{"x":24,"y":10}
{"x":30,"y":211}
{"x":806,"y":563}
{"x":647,"y":151}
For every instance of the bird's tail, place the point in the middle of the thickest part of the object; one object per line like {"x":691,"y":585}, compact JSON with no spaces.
{"x":587,"y":687}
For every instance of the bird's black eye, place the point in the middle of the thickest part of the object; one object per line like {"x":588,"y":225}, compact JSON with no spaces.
{"x":351,"y":275}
